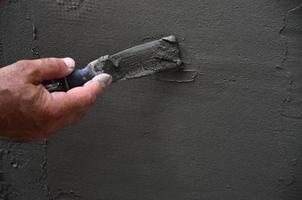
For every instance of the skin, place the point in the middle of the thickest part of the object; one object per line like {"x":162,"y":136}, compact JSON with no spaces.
{"x":29,"y":112}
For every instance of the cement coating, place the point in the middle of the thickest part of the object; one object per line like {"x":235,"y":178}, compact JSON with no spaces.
{"x":233,"y":133}
{"x":142,"y":60}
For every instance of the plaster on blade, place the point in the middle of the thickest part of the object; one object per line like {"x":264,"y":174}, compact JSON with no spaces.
{"x":140,"y":61}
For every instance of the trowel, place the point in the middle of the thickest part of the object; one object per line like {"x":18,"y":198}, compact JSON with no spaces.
{"x":139,"y":61}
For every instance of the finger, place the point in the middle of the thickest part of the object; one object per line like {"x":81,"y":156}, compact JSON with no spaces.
{"x":49,"y":68}
{"x":75,"y":118}
{"x":81,"y":97}
{"x":103,"y":79}
{"x":70,"y":119}
{"x":95,"y":86}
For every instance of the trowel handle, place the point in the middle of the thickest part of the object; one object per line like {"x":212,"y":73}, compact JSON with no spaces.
{"x":77,"y":78}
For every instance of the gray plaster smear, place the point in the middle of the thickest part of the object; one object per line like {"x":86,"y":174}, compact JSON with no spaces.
{"x":157,"y":56}
{"x":232,"y":133}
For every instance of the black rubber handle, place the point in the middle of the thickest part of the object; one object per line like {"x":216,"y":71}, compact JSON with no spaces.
{"x":77,"y":78}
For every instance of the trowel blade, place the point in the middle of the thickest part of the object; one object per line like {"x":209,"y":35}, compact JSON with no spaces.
{"x":142,"y":60}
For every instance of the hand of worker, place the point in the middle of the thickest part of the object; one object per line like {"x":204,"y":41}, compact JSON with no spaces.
{"x":29,"y":112}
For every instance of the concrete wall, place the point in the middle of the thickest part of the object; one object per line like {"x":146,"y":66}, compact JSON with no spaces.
{"x":234,"y":133}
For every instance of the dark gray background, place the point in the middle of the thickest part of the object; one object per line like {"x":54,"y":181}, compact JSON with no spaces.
{"x":234,"y":133}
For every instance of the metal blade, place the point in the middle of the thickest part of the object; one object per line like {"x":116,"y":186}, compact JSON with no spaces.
{"x":142,"y":60}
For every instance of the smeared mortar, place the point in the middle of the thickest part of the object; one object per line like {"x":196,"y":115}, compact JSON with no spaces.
{"x":140,"y":61}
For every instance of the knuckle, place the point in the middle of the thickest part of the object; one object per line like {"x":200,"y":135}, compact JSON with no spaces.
{"x":45,"y":62}
{"x":53,"y":61}
{"x":49,"y":62}
{"x":28,"y":67}
{"x":23,"y":65}
{"x":91,"y":99}
{"x":50,"y":114}
{"x":79,"y":116}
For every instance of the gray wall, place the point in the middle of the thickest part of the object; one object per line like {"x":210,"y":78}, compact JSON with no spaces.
{"x":234,"y":133}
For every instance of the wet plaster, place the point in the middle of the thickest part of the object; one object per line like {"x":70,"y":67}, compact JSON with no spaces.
{"x":143,"y":60}
{"x":227,"y":127}
{"x":179,"y":76}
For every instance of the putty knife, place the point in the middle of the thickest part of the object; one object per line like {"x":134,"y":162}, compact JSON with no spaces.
{"x":139,"y":61}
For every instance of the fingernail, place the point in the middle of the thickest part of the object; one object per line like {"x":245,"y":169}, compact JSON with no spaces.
{"x":104,"y":79}
{"x":69,"y":62}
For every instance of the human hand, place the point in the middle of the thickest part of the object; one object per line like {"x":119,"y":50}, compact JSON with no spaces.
{"x":29,"y":112}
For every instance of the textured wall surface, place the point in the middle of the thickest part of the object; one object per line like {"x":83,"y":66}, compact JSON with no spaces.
{"x":233,"y":133}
